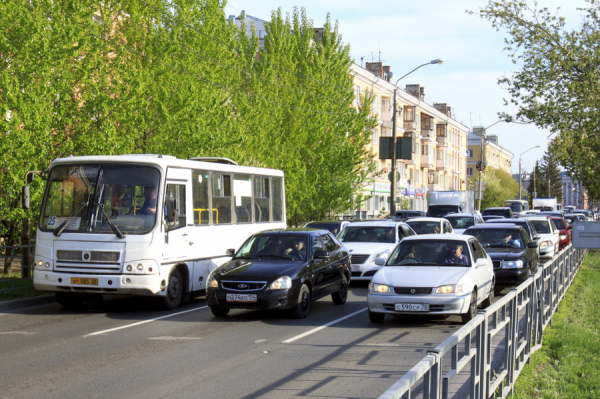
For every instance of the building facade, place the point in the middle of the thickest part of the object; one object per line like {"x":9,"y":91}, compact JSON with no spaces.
{"x":574,"y":192}
{"x":439,"y":143}
{"x":485,"y":148}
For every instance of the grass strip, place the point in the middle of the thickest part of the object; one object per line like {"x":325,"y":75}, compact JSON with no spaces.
{"x":568,"y":364}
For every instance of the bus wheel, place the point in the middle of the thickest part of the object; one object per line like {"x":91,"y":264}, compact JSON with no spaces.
{"x":174,"y":290}
{"x":69,"y":300}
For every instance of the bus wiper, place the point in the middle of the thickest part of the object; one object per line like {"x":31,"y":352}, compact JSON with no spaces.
{"x":114,"y":228}
{"x":64,"y":224}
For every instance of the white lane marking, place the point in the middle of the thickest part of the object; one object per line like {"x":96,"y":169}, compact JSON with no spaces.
{"x":259,"y":341}
{"x":383,"y":345}
{"x":314,"y":330}
{"x":173,"y":338}
{"x":142,"y":322}
{"x":17,"y":332}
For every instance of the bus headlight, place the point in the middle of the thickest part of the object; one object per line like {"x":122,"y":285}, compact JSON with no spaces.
{"x":42,"y":264}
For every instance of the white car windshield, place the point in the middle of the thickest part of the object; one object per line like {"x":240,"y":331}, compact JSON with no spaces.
{"x":383,"y":234}
{"x":430,"y":253}
{"x":460,"y":222}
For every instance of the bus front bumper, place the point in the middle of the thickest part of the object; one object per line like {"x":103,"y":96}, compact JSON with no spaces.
{"x":150,"y":284}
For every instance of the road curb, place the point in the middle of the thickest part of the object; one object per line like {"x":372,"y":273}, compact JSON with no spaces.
{"x":15,"y":304}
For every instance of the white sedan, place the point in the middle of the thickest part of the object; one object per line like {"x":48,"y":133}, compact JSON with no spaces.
{"x":549,"y":235}
{"x":429,"y":225}
{"x":433,"y":274}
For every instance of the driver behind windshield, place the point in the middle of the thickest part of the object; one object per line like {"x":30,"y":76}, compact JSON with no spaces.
{"x":457,"y":257}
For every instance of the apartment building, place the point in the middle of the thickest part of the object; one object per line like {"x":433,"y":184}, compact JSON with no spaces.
{"x":494,"y":155}
{"x":439,"y":143}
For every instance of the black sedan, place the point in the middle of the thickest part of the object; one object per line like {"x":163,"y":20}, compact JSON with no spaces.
{"x":514,"y":254}
{"x":281,"y":269}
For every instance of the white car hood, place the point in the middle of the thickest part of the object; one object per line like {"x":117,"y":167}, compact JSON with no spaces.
{"x":459,"y":231}
{"x":367,"y":248}
{"x":420,"y":276}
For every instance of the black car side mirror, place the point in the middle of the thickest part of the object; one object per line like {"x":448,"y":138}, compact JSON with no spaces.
{"x":230,"y":252}
{"x":532,"y":245}
{"x":320,"y":254}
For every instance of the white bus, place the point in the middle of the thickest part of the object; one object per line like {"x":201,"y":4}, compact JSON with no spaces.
{"x":147,"y":224}
{"x":518,"y":207}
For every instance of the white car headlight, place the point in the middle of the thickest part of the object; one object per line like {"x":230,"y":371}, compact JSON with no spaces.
{"x":379,"y":288}
{"x":449,"y":289}
{"x":513,"y":264}
{"x":282,"y":283}
{"x":546,"y":244}
{"x":563,"y":236}
{"x":381,"y":255}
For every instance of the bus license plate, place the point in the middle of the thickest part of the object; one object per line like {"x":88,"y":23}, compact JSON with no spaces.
{"x":412,"y":307}
{"x":241,"y":297}
{"x":84,"y":281}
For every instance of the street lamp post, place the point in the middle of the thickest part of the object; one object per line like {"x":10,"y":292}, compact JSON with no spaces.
{"x":393,"y":169}
{"x":537,"y":146}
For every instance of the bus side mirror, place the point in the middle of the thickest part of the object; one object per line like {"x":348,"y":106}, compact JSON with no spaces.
{"x":171,"y":214}
{"x":25,"y":198}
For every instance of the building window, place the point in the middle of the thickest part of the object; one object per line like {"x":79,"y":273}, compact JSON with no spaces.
{"x":409,"y":114}
{"x":469,"y":153}
{"x":469,"y":171}
{"x":375,"y":136}
{"x":375,"y":103}
{"x":424,"y":149}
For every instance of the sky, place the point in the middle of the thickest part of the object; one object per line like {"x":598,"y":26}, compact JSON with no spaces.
{"x":405,"y":34}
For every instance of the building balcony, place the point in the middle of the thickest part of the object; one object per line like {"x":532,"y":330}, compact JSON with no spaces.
{"x":440,"y":164}
{"x":385,"y":115}
{"x":410,"y":126}
{"x":427,"y":161}
{"x":427,"y":134}
{"x":442,"y":141}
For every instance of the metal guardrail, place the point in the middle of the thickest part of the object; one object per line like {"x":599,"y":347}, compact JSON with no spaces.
{"x":25,"y":254}
{"x":484,"y":358}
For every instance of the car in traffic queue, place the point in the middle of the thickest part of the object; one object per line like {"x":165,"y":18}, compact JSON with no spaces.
{"x":334,"y":226}
{"x":432,"y":274}
{"x":514,"y":254}
{"x":403,"y":215}
{"x":549,"y":235}
{"x":368,"y":241}
{"x":500,"y":211}
{"x":281,"y":269}
{"x":570,"y":218}
{"x":430,"y":225}
{"x":525,"y":223}
{"x":564,"y":231}
{"x":490,"y":217}
{"x":461,"y":221}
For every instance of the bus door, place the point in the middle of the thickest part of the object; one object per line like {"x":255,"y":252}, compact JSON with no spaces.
{"x":179,"y":242}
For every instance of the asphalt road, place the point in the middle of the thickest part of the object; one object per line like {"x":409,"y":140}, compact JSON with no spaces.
{"x":125,"y":347}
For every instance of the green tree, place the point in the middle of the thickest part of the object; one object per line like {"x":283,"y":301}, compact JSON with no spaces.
{"x":551,"y":176}
{"x":557,"y":85}
{"x":499,"y":186}
{"x":536,"y":184}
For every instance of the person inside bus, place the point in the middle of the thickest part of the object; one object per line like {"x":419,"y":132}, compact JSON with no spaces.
{"x":298,"y":252}
{"x":149,"y":207}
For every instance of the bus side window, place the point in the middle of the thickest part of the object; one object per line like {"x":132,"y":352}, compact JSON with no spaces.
{"x":177,"y":191}
{"x":202,"y":212}
{"x":221,"y":198}
{"x":261,"y":199}
{"x":277,"y":196}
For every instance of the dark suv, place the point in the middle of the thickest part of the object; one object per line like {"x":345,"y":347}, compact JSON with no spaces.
{"x":499,"y":211}
{"x":334,"y":226}
{"x":514,"y":255}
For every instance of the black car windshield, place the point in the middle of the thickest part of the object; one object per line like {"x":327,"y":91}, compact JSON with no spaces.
{"x":501,"y":212}
{"x":541,"y":226}
{"x":88,"y":198}
{"x":333,"y":227}
{"x":498,"y":238}
{"x":430,"y":253}
{"x":383,"y":234}
{"x":460,"y":222}
{"x":275,"y":246}
{"x":422,"y":227}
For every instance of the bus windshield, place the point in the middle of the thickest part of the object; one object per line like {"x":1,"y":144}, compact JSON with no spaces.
{"x":88,"y":198}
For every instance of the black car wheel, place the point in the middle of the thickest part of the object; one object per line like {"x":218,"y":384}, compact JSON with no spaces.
{"x":300,"y":310}
{"x":219,"y":311}
{"x":174,"y":291}
{"x":467,"y":317}
{"x":490,"y":299}
{"x":376,"y":317}
{"x":339,"y":298}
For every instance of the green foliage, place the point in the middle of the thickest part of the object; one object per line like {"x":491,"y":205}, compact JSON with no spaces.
{"x":78,"y":77}
{"x":567,"y":364}
{"x":499,"y":186}
{"x":558,"y":84}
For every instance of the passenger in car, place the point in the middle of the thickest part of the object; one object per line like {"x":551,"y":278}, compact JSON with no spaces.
{"x":457,"y":257}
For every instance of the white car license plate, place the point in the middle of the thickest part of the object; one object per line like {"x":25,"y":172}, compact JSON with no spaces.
{"x":355,"y":268}
{"x":412,"y":307}
{"x":241,"y":297}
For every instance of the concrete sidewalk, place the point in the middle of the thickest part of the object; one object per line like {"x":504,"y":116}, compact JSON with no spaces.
{"x":16,"y":304}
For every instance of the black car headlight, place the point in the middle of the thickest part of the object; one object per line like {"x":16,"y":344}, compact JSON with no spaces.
{"x":512,"y":264}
